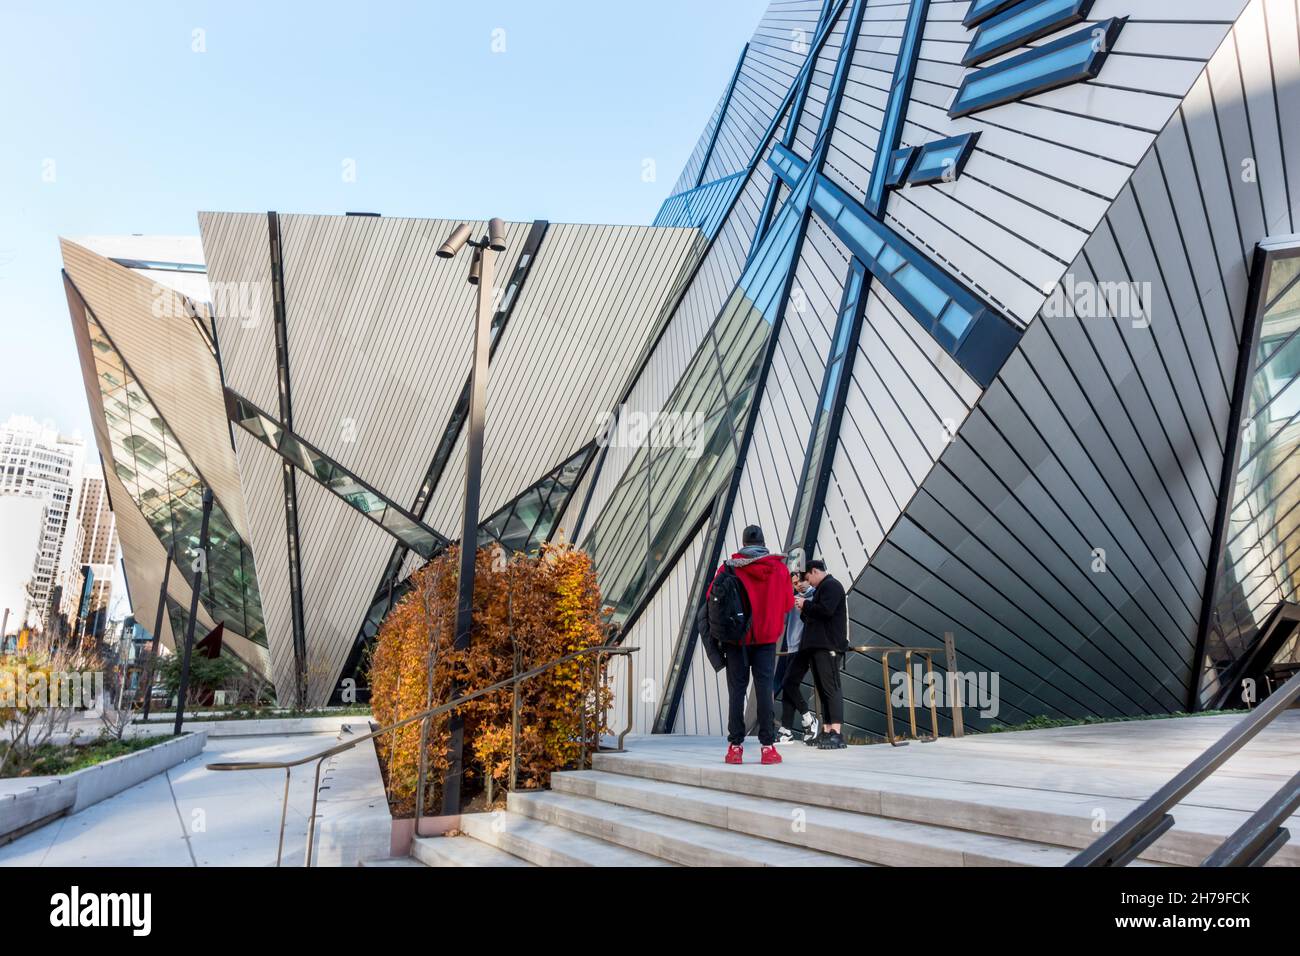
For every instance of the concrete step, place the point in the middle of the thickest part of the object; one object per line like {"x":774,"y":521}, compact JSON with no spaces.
{"x":671,"y":838}
{"x":460,"y":851}
{"x":396,"y":861}
{"x":1061,"y":819}
{"x":543,"y":844}
{"x":864,"y":837}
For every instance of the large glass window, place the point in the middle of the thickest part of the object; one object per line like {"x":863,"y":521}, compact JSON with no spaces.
{"x":688,"y":458}
{"x":815,"y":461}
{"x":1261,"y":556}
{"x":704,"y":207}
{"x":165,"y":486}
{"x":397,"y":521}
{"x":521,"y":525}
{"x":981,"y":10}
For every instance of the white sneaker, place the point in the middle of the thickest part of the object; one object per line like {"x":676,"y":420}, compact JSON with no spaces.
{"x":810,"y":726}
{"x":785,"y":735}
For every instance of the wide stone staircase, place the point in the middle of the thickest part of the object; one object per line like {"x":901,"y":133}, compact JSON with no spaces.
{"x":631,"y":816}
{"x":1031,"y":801}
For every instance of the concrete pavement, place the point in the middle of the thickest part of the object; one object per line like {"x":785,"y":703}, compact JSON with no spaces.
{"x":188,"y":816}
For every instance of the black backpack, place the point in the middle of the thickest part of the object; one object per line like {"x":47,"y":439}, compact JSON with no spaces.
{"x":729,"y":609}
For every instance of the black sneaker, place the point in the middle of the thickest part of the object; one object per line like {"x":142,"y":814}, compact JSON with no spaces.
{"x":832,"y":741}
{"x":814,"y":740}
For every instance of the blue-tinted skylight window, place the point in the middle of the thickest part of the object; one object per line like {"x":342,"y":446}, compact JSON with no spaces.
{"x":979,"y":339}
{"x":899,"y":165}
{"x":859,"y":229}
{"x":828,"y":203}
{"x":1022,"y":24}
{"x":942,"y":160}
{"x":938,"y":160}
{"x":956,"y":320}
{"x":1072,"y":57}
{"x":931,"y":297}
{"x":889,"y":259}
{"x":981,"y":10}
{"x":1078,"y":56}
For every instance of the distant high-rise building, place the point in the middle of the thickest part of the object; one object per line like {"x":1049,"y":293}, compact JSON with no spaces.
{"x":22,"y":528}
{"x":99,"y":547}
{"x":38,"y":462}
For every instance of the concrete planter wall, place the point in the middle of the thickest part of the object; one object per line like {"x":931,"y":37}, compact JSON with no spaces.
{"x":268,"y":727}
{"x":353,"y":824}
{"x":72,"y":793}
{"x":113,"y":776}
{"x":22,"y":810}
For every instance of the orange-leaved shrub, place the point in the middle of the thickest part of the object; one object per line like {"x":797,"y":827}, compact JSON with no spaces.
{"x":528,"y":610}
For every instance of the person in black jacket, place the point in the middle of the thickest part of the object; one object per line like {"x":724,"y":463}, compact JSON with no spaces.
{"x":826,"y":639}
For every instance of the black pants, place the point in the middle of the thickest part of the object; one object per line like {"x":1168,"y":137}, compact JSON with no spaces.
{"x":826,"y":675}
{"x":760,"y":660}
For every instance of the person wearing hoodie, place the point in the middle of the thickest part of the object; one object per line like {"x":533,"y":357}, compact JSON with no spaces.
{"x":767,"y":586}
{"x":825,"y":640}
{"x":790,"y":672}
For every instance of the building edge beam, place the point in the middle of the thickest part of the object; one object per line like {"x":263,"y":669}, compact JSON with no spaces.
{"x":293,"y":542}
{"x":722,"y":115}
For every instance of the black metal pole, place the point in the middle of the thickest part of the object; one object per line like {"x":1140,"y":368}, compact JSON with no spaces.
{"x":200,"y":565}
{"x":469,"y":527}
{"x":157,"y":635}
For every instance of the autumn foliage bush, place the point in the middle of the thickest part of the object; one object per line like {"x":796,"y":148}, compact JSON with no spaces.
{"x":528,"y":610}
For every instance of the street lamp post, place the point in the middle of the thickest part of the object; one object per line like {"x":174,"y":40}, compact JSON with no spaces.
{"x":480,"y":274}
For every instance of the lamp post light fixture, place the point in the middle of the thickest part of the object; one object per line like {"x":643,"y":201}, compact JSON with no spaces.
{"x":480,"y":274}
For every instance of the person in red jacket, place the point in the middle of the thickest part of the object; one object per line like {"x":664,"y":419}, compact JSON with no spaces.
{"x":767,"y":585}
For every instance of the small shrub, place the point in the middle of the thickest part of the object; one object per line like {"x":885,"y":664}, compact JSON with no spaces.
{"x":207,"y":674}
{"x":528,"y":610}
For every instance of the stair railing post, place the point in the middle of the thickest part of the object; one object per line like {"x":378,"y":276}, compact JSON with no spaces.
{"x":514,"y":726}
{"x":954,"y":683}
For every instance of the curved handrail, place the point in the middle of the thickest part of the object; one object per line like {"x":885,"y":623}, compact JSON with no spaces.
{"x":514,"y":680}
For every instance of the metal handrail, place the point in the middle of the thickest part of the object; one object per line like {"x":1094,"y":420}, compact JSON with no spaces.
{"x":954,"y":704}
{"x":1251,"y":845}
{"x":600,"y":651}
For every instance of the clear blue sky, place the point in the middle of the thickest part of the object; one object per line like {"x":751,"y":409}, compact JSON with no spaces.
{"x":143,"y":132}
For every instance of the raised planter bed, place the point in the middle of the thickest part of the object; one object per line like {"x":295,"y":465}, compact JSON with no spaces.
{"x":23,"y":808}
{"x":252,"y":727}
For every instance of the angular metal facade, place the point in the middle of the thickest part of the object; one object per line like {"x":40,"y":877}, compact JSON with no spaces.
{"x":953,"y":295}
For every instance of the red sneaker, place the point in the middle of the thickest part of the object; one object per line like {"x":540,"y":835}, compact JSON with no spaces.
{"x":735,"y":753}
{"x":770,"y":755}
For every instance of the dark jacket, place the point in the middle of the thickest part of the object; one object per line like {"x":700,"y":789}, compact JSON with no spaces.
{"x":826,"y":618}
